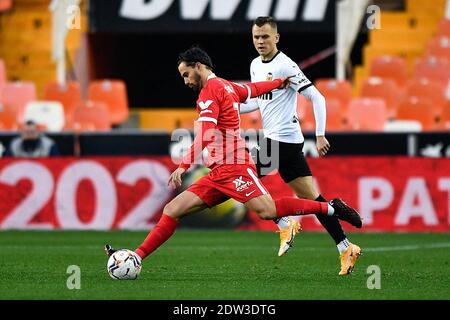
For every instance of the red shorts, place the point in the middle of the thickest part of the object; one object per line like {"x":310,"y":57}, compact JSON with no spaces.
{"x":239,"y":182}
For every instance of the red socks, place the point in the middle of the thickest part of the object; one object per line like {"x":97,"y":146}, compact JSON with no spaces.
{"x":292,"y":206}
{"x":163,"y":230}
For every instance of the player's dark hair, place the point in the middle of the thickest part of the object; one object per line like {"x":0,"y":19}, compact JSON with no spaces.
{"x":260,"y":21}
{"x":193,"y":55}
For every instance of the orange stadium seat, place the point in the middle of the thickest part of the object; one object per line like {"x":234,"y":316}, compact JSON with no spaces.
{"x":90,"y":116}
{"x":335,"y":115}
{"x":367,"y":114}
{"x":439,"y":47}
{"x":69,"y":95}
{"x":431,"y":90}
{"x":17,"y":95}
{"x":444,"y":27}
{"x":434,"y":68}
{"x":390,"y":67}
{"x":114,"y":94}
{"x":386,"y":89}
{"x":335,"y":89}
{"x":5,"y":5}
{"x":415,"y":108}
{"x":8,"y":118}
{"x":444,"y":122}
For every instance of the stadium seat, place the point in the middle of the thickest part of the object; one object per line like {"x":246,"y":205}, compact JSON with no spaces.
{"x":431,"y":90}
{"x":8,"y":118}
{"x":90,"y":116}
{"x":415,"y":108}
{"x":444,"y":27}
{"x":403,"y":126}
{"x":389,"y":67}
{"x":367,"y":114}
{"x":335,"y":115}
{"x":335,"y":89}
{"x":444,"y":123}
{"x":47,"y":114}
{"x":69,"y":95}
{"x":5,"y":5}
{"x":17,"y":95}
{"x":386,"y":89}
{"x":113,"y":93}
{"x":434,"y":68}
{"x":439,"y":47}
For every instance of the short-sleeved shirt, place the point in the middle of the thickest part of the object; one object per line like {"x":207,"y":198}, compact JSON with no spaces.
{"x":279,"y":107}
{"x":218,"y":102}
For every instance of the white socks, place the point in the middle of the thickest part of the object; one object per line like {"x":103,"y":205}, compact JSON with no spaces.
{"x":330,"y":210}
{"x":343,"y":245}
{"x":283,"y":222}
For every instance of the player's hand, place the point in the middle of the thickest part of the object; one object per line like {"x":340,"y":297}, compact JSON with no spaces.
{"x":322,"y":145}
{"x":176,"y":178}
{"x":286,"y":82}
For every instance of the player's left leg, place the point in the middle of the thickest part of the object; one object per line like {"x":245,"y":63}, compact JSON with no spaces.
{"x":185,"y":203}
{"x":349,"y":252}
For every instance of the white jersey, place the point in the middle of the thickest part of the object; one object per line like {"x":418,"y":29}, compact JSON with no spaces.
{"x":279,"y":107}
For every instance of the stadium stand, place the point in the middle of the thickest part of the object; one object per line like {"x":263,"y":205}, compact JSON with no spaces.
{"x":90,"y":116}
{"x":5,"y":5}
{"x":49,"y":115}
{"x":386,"y":89}
{"x":403,"y":126}
{"x":114,"y":94}
{"x":68,"y":94}
{"x":335,"y":89}
{"x":390,"y":67}
{"x":367,"y":114}
{"x":8,"y":118}
{"x":17,"y":95}
{"x":416,"y":108}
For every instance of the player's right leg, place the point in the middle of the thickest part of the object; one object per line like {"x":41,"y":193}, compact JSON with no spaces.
{"x":185,"y":203}
{"x":288,"y":227}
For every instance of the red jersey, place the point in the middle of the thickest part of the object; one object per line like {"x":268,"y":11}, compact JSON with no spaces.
{"x":218,"y":102}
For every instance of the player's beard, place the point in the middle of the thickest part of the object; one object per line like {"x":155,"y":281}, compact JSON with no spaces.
{"x":197,"y":80}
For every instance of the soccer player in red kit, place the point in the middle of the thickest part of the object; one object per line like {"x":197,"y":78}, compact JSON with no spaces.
{"x":233,"y":173}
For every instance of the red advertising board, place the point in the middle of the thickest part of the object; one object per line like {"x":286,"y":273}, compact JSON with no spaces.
{"x":391,"y":193}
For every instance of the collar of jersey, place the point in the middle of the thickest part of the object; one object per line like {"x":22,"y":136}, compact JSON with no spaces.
{"x":268,"y":61}
{"x":211,"y":76}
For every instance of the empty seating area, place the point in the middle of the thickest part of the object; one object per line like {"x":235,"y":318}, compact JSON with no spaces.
{"x":404,"y":79}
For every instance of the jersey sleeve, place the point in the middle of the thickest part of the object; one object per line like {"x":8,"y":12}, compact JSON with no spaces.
{"x":207,"y":108}
{"x":242,"y":90}
{"x":299,"y":81}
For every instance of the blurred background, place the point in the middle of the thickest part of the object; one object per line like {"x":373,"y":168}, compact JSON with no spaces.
{"x":99,"y":78}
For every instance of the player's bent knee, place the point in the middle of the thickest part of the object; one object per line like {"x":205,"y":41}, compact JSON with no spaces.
{"x":172,"y":209}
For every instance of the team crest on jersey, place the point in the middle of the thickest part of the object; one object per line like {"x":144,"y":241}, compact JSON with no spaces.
{"x":240,"y":184}
{"x":269,"y":76}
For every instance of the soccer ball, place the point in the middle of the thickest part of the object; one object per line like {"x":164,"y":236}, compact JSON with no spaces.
{"x":124,"y":264}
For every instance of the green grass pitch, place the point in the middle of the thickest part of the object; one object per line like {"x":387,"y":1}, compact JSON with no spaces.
{"x":197,"y":265}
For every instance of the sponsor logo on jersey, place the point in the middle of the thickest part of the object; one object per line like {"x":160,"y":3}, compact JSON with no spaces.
{"x":266,"y":96}
{"x":240,"y":184}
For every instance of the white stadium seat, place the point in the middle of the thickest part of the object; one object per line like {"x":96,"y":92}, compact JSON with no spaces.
{"x":49,"y":114}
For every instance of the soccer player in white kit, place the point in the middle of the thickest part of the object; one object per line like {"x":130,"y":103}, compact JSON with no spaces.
{"x":282,"y":129}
